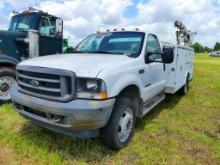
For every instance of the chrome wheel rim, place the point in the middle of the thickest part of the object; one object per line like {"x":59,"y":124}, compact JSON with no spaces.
{"x":5,"y":84}
{"x":125,"y":125}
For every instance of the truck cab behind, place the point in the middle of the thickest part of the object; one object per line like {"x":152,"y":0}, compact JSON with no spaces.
{"x":31,"y":33}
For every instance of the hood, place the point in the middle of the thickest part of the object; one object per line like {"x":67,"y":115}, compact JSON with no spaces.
{"x":8,"y":43}
{"x":84,"y":65}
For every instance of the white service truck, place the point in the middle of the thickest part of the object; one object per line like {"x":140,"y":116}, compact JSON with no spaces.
{"x":110,"y":80}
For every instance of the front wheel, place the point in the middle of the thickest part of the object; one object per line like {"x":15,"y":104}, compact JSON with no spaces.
{"x":7,"y":79}
{"x":120,"y":128}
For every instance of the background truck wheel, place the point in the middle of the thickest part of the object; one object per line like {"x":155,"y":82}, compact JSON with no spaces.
{"x":120,"y":127}
{"x":7,"y":79}
{"x":185,"y":88}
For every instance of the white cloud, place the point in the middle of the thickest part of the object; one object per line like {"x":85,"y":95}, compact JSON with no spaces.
{"x":156,"y":16}
{"x":82,"y":17}
{"x":18,"y":5}
{"x":199,"y":15}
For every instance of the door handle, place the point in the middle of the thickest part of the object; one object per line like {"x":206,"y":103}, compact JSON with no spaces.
{"x":141,"y":71}
{"x":164,"y":67}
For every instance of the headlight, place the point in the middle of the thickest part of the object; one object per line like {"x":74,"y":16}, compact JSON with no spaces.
{"x":91,"y":88}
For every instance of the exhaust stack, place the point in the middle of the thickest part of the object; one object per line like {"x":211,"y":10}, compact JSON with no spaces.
{"x":33,"y":43}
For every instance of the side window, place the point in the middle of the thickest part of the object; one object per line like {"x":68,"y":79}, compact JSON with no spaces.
{"x":47,"y":27}
{"x":153,"y":47}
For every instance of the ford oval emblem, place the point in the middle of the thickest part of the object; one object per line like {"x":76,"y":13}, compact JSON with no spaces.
{"x":34,"y":83}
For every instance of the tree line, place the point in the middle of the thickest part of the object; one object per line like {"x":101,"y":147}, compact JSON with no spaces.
{"x":199,"y":48}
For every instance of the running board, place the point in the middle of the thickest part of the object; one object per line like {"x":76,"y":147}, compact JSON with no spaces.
{"x":149,"y":105}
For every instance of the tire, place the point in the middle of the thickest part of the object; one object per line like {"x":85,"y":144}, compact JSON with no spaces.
{"x":185,"y":88}
{"x":120,"y":128}
{"x":7,"y":79}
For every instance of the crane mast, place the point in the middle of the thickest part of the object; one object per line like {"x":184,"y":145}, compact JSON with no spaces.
{"x":183,"y":34}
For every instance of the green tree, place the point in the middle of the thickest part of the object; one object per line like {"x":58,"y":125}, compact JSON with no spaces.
{"x":217,"y":46}
{"x":198,"y":47}
{"x":207,"y":49}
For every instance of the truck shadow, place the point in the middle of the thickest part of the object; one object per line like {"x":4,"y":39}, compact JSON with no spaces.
{"x":169,"y":103}
{"x":89,"y":150}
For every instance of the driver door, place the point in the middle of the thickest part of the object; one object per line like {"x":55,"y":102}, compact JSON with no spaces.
{"x":49,"y":43}
{"x":154,"y":62}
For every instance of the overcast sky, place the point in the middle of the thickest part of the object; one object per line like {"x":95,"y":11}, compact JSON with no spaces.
{"x":82,"y":17}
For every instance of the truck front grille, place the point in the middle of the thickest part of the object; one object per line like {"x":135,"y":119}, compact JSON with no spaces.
{"x":46,"y":83}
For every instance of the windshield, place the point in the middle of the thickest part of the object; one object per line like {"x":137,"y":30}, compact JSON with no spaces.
{"x":122,"y":43}
{"x":21,"y":22}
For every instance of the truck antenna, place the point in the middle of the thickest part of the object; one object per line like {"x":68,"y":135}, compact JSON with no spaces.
{"x":183,"y":34}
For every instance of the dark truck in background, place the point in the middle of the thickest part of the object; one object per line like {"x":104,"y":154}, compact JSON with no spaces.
{"x":31,"y":33}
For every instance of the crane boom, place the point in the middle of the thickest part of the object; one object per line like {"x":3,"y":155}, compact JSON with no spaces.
{"x":183,"y":34}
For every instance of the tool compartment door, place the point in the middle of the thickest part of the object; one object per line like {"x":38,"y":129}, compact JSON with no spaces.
{"x":171,"y":72}
{"x":182,"y":67}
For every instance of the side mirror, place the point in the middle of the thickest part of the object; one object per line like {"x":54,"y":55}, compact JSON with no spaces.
{"x":153,"y":57}
{"x":168,"y":55}
{"x":59,"y":27}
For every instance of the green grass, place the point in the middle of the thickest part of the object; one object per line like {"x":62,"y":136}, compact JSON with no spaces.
{"x":181,"y":130}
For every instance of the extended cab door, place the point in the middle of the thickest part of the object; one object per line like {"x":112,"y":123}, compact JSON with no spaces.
{"x":49,"y":42}
{"x":153,"y":60}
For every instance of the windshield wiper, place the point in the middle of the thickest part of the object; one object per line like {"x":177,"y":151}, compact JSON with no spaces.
{"x":99,"y":51}
{"x":103,"y":52}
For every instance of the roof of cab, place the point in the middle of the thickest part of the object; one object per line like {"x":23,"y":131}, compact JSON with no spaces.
{"x":33,"y":12}
{"x":121,"y":30}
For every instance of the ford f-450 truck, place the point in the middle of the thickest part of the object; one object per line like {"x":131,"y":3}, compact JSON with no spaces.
{"x":31,"y":33}
{"x":110,"y":80}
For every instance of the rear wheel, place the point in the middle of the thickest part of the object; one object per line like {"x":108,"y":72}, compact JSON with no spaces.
{"x":7,"y":79}
{"x":120,"y":128}
{"x":185,"y":88}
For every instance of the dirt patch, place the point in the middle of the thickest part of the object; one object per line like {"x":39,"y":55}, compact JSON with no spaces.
{"x":130,"y":159}
{"x":9,"y":156}
{"x":5,"y":159}
{"x":200,"y":155}
{"x":212,"y":132}
{"x":164,"y":132}
{"x":196,"y":151}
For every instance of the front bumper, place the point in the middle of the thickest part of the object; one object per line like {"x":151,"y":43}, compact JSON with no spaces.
{"x":80,"y":118}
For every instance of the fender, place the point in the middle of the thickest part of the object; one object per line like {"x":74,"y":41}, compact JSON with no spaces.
{"x":124,"y":82}
{"x":8,"y":60}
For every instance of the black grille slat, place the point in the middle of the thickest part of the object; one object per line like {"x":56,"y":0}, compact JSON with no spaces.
{"x":39,"y":75}
{"x":51,"y":84}
{"x":40,"y":87}
{"x":39,"y":79}
{"x":41,"y":83}
{"x":40,"y":93}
